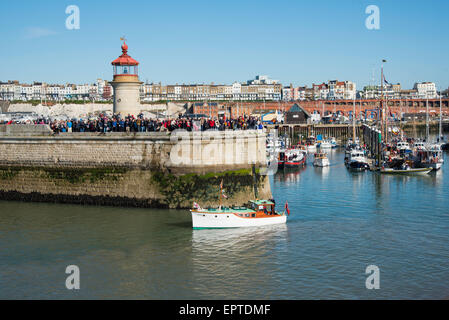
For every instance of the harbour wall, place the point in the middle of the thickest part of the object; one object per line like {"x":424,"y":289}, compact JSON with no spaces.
{"x":144,"y":170}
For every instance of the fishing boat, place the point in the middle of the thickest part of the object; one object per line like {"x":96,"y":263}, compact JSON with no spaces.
{"x":326,"y":144}
{"x":311,"y":144}
{"x":333,"y":142}
{"x":419,"y":145}
{"x":403,"y":146}
{"x":352,"y":142}
{"x":293,"y":158}
{"x":431,"y":157}
{"x":357,"y":160}
{"x":321,"y":160}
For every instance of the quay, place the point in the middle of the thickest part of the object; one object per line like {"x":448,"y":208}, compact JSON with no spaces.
{"x":153,"y":169}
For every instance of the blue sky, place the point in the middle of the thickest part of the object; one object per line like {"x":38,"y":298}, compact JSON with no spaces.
{"x":299,"y":42}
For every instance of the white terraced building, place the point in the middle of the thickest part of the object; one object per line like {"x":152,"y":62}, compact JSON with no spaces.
{"x":426,"y":90}
{"x":13,"y":90}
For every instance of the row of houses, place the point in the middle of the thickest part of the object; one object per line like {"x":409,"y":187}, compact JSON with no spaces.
{"x":347,"y":90}
{"x":258,"y":89}
{"x":422,"y":90}
{"x":262,"y":88}
{"x":101,"y":90}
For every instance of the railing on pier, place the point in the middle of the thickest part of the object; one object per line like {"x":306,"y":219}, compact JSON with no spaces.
{"x":372,"y":138}
{"x":300,"y":132}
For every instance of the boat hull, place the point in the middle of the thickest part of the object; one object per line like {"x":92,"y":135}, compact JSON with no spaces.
{"x":201,"y":220}
{"x":326,"y":145}
{"x":294,"y":164}
{"x":357,"y":166}
{"x":420,"y":171}
{"x":321,"y":163}
{"x":434,"y":166}
{"x":311,"y":148}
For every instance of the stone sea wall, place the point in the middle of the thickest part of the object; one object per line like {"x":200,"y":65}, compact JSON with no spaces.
{"x":145,"y":170}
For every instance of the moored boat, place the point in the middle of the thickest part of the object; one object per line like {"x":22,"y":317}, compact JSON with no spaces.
{"x":403,"y":147}
{"x":311,"y":144}
{"x":431,"y":157}
{"x":294,"y":158}
{"x":410,"y":171}
{"x":401,"y":166}
{"x":326,"y":144}
{"x":321,"y":160}
{"x":357,"y":160}
{"x":419,"y":145}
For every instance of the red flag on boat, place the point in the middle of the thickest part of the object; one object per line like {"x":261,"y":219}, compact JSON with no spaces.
{"x":286,"y":208}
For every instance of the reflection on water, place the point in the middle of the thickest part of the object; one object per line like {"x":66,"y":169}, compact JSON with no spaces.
{"x":340,"y":223}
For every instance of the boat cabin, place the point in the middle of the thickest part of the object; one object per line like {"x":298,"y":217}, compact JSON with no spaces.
{"x":320,"y":155}
{"x":265,"y":206}
{"x":420,"y":145}
{"x":310,"y":141}
{"x":357,"y":154}
{"x":402,"y":145}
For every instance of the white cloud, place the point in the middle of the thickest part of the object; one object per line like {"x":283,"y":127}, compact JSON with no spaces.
{"x":38,"y":32}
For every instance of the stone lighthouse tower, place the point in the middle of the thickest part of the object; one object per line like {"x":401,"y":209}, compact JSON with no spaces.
{"x":126,"y":84}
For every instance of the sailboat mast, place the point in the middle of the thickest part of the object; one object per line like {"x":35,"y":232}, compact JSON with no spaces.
{"x":427,"y":119}
{"x":382,"y":114}
{"x":353,"y":123}
{"x":441,"y":120}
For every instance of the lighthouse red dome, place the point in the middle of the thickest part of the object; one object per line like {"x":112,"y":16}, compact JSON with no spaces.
{"x":125,"y":59}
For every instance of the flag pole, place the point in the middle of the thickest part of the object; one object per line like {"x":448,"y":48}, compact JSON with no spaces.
{"x":220,"y":192}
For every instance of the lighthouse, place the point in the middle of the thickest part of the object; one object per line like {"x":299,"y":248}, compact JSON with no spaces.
{"x":126,"y":84}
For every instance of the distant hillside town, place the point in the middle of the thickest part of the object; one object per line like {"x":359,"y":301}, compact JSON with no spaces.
{"x":262,"y":88}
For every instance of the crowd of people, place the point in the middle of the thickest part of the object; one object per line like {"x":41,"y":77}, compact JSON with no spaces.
{"x":116,"y":123}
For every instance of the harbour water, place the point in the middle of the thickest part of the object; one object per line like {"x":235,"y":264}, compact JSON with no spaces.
{"x":341,"y":222}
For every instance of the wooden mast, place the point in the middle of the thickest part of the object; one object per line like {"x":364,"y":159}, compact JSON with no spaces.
{"x":427,"y":119}
{"x":353,"y":123}
{"x":440,"y":133}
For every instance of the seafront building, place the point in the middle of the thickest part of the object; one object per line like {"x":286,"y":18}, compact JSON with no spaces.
{"x":13,"y":90}
{"x":261,"y":88}
{"x":423,"y":90}
{"x":426,"y":90}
